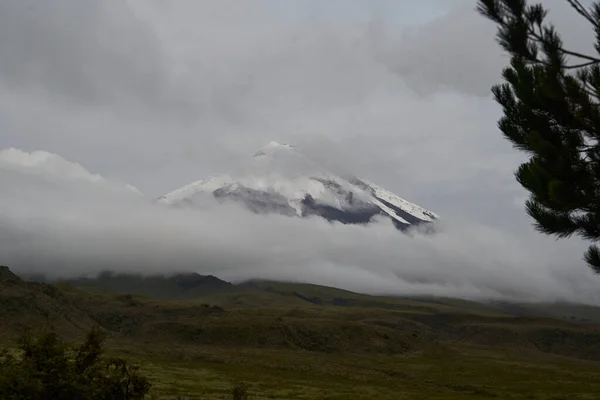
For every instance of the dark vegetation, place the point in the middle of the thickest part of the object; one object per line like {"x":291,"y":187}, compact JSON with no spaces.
{"x":45,"y":368}
{"x":551,"y":99}
{"x":299,"y":341}
{"x":176,"y":287}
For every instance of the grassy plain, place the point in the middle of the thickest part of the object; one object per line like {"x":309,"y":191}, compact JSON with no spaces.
{"x":294,"y":341}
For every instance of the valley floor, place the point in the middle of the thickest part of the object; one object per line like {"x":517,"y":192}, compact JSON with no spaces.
{"x":438,"y":372}
{"x":293,"y":341}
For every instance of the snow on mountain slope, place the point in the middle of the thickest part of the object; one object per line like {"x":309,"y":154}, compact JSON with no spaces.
{"x":390,"y":198}
{"x":281,"y":179}
{"x":206,"y":185}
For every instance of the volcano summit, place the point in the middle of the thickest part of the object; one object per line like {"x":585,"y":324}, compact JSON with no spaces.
{"x":281,"y":179}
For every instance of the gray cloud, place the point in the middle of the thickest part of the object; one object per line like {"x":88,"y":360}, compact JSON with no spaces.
{"x":89,"y":52}
{"x":158,"y":94}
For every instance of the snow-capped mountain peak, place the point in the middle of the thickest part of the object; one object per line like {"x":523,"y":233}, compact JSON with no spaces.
{"x":273,"y":147}
{"x":281,"y":179}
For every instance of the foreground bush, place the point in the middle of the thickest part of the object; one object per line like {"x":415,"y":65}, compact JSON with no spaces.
{"x":45,"y":367}
{"x":239,"y":392}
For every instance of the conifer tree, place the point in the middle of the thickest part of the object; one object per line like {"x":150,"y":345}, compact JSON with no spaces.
{"x":550,"y":100}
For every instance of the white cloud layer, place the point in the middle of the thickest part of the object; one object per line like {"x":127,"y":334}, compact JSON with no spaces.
{"x":52,"y":165}
{"x":59,"y":226}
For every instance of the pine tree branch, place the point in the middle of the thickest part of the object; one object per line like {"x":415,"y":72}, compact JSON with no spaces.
{"x":500,"y":18}
{"x":576,"y":4}
{"x":593,"y":60}
{"x":539,"y":38}
{"x":535,"y":60}
{"x":582,"y":65}
{"x":588,"y":92}
{"x":592,"y":258}
{"x":552,"y":114}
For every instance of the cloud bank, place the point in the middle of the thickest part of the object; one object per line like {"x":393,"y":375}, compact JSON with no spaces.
{"x":76,"y":223}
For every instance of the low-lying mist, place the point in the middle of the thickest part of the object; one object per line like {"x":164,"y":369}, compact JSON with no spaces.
{"x":61,"y":221}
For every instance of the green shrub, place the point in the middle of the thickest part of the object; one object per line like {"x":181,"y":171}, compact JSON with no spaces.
{"x":45,"y":367}
{"x":240,"y":392}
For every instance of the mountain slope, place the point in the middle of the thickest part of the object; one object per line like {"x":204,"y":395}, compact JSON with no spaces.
{"x":281,"y":179}
{"x":295,"y":341}
{"x":272,"y":294}
{"x":176,"y":287}
{"x":28,"y":304}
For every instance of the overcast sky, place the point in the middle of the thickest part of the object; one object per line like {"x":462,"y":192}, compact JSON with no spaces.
{"x":156,"y":94}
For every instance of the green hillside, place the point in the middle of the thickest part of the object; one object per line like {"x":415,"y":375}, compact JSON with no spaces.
{"x":298,"y":341}
{"x":177,"y":287}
